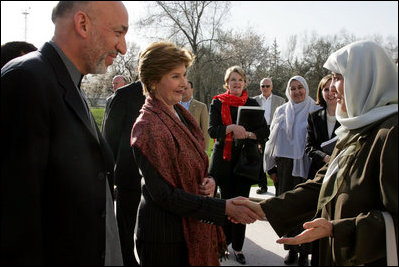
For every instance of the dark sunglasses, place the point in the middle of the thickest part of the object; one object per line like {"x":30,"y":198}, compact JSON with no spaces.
{"x":267,"y":86}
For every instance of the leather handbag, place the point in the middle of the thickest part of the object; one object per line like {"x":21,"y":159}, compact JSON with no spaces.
{"x":249,"y":162}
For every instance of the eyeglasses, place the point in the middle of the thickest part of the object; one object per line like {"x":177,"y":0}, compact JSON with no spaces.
{"x":267,"y":86}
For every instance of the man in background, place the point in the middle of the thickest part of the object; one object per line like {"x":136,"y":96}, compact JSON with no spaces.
{"x":123,"y":110}
{"x":117,"y":82}
{"x":269,"y":102}
{"x":197,"y":109}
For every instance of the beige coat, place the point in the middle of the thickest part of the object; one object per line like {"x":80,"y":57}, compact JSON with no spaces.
{"x":200,"y":113}
{"x":276,"y":102}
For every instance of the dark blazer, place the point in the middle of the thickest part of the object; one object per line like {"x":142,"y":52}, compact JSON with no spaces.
{"x":121,"y":113}
{"x":53,"y":168}
{"x":106,"y":110}
{"x":124,"y":109}
{"x":159,"y":228}
{"x":317,"y":133}
{"x":162,"y":207}
{"x":219,"y":168}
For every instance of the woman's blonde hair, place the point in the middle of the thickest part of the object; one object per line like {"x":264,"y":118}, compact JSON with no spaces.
{"x":158,"y":59}
{"x":229,"y":71}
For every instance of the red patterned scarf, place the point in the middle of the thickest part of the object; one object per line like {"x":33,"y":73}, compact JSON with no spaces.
{"x":177,"y":152}
{"x":230,"y":100}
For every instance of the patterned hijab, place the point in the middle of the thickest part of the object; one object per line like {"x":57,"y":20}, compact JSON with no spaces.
{"x":179,"y":157}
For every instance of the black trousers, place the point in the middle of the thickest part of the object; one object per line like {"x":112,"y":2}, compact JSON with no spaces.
{"x":162,"y":254}
{"x":287,"y":182}
{"x":127,"y":201}
{"x":236,"y":186}
{"x":263,"y":179}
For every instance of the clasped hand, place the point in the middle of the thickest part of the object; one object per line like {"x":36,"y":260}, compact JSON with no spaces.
{"x":207,"y":187}
{"x":238,"y":131}
{"x":316,"y":229}
{"x":242,"y":210}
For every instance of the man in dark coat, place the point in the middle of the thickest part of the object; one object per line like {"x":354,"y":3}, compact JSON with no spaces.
{"x":123,"y":110}
{"x":56,"y":169}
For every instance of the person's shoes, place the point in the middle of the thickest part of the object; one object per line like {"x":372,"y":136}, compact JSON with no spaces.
{"x":303,"y":260}
{"x":261,"y":190}
{"x":240,"y":257}
{"x":291,"y":257}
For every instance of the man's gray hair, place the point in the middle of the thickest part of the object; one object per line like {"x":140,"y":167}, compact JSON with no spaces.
{"x":266,"y":79}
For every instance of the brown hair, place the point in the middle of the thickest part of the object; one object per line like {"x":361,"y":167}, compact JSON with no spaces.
{"x":158,"y":59}
{"x":229,"y":71}
{"x":320,"y":100}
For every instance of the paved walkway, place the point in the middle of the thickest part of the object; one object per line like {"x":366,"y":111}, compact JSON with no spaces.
{"x":260,"y":247}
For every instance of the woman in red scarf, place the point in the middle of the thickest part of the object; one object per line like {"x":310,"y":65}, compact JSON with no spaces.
{"x":177,"y":213}
{"x":222,"y":127}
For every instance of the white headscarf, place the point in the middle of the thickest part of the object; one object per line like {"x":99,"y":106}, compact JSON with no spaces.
{"x":288,"y":132}
{"x":370,"y":84}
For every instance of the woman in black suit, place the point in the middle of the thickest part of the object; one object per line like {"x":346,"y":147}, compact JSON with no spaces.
{"x":177,"y":211}
{"x":321,"y":127}
{"x":226,"y":151}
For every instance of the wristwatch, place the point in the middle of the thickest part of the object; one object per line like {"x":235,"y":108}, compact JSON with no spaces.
{"x":249,"y":135}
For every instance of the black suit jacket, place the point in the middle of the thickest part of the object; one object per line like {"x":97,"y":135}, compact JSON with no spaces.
{"x":53,"y":168}
{"x":123,"y":111}
{"x":219,"y":168}
{"x":159,"y":217}
{"x":317,"y":133}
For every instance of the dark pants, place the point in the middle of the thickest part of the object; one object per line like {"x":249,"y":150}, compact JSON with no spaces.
{"x":287,"y":182}
{"x":127,"y":201}
{"x":263,"y":179}
{"x":262,"y":175}
{"x":235,"y":233}
{"x":162,"y":254}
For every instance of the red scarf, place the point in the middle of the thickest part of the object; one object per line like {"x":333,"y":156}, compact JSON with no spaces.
{"x":178,"y":154}
{"x":230,"y":100}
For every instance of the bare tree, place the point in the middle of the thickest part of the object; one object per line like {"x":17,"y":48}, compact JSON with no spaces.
{"x":315,"y":54}
{"x":126,"y":65}
{"x":188,"y":23}
{"x":97,"y":87}
{"x":391,"y":46}
{"x":248,"y":50}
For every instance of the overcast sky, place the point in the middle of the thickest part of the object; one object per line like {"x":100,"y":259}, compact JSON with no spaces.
{"x":270,"y":19}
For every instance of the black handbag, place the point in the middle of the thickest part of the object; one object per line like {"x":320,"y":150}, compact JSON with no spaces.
{"x":249,"y":162}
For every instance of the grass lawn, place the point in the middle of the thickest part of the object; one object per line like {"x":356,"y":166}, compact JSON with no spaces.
{"x":98,"y":116}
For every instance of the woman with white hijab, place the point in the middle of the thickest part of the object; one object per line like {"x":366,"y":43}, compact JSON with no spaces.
{"x":284,"y":155}
{"x":361,"y":179}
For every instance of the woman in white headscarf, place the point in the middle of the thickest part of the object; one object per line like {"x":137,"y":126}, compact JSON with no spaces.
{"x":361,"y":179}
{"x":284,"y":155}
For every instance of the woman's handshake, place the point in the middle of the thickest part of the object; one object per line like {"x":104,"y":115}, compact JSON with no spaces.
{"x":242,"y":210}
